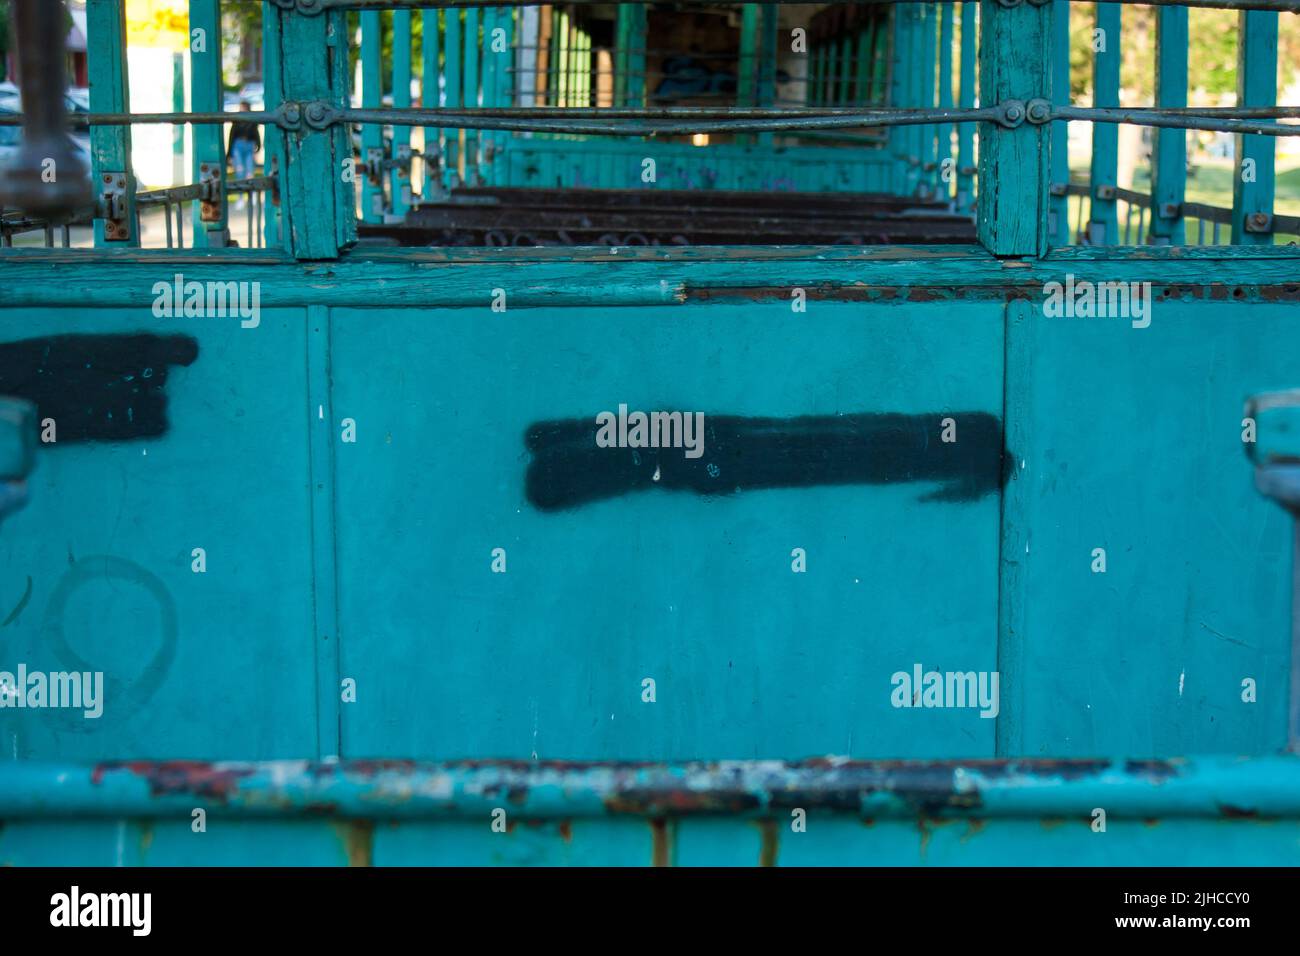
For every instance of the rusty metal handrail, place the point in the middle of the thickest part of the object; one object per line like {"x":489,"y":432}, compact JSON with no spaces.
{"x":1266,"y":787}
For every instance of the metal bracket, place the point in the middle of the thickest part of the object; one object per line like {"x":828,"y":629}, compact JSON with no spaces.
{"x":1104,"y":192}
{"x":1011,"y":113}
{"x":307,"y":7}
{"x":1058,"y":189}
{"x":1170,"y":210}
{"x":288,"y":116}
{"x":1038,"y":111}
{"x":213,"y":197}
{"x":318,"y":114}
{"x":111,"y":206}
{"x":375,"y":165}
{"x":1259,"y":222}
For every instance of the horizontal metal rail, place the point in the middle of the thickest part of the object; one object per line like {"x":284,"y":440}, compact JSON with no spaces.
{"x":311,"y":7}
{"x":1216,"y":788}
{"x":1219,"y":215}
{"x":685,"y":120}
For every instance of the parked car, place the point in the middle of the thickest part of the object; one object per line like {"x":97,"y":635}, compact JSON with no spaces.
{"x":254,"y":94}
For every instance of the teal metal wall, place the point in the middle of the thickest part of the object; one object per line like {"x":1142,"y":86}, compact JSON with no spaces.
{"x":372,"y":561}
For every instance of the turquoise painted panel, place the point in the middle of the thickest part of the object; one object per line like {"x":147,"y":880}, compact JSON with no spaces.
{"x":628,"y":842}
{"x":452,"y":660}
{"x":173,"y":842}
{"x":1169,"y":842}
{"x":828,"y":841}
{"x":1136,"y":448}
{"x":200,"y":665}
{"x":706,"y":841}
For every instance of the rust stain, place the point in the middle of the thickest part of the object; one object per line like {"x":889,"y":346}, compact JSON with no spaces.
{"x":769,"y":841}
{"x":172,"y":777}
{"x":1237,"y":813}
{"x":660,"y":843}
{"x":358,"y":837}
{"x":566,"y":831}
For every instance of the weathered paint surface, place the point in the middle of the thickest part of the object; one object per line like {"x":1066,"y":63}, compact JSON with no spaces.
{"x":372,"y":561}
{"x":364,"y":813}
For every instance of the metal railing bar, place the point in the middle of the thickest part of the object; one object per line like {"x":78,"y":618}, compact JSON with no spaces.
{"x":318,"y":6}
{"x":661,"y":119}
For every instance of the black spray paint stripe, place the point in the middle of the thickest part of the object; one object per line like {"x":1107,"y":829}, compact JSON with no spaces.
{"x":96,"y":387}
{"x":568,"y":469}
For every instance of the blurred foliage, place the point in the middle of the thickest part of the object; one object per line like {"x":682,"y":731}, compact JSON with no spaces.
{"x":1212,"y":54}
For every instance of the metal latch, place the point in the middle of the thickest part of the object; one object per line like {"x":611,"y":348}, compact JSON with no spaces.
{"x":111,"y":206}
{"x":212,"y":195}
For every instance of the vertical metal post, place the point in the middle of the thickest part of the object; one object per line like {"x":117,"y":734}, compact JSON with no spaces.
{"x":430,"y":163}
{"x":372,"y":134}
{"x":1169,"y":158}
{"x":178,"y":106}
{"x":966,"y":131}
{"x":451,"y":75}
{"x":272,"y":96}
{"x":912,"y":92}
{"x":636,"y":57}
{"x":944,"y":175}
{"x":622,"y":43}
{"x":471,"y":92}
{"x":767,"y":61}
{"x":1058,"y":211}
{"x":400,"y":183}
{"x":508,"y":81}
{"x":929,"y":147}
{"x":898,"y":136}
{"x":318,"y":216}
{"x":110,"y":146}
{"x":489,"y":72}
{"x":1015,"y":46}
{"x":1103,"y":217}
{"x":1252,"y":186}
{"x":747,"y":72}
{"x":210,"y":222}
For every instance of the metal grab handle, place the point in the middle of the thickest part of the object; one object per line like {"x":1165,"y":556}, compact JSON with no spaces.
{"x":45,"y":177}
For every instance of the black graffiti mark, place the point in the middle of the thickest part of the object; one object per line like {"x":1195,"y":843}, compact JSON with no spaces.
{"x":96,"y":387}
{"x":744,"y":454}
